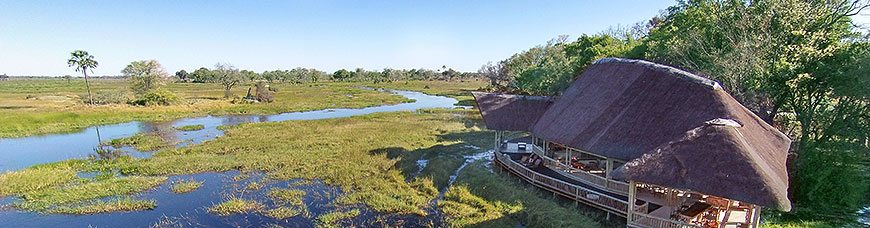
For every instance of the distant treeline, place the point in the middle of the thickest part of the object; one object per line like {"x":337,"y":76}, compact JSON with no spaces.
{"x":310,"y":75}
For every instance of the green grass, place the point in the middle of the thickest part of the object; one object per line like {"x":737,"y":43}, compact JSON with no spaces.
{"x":190,"y":127}
{"x":796,"y":224}
{"x":24,"y":117}
{"x":292,"y":197}
{"x":146,"y":141}
{"x":482,"y":199}
{"x":461,"y":90}
{"x":33,"y":179}
{"x":370,"y":157}
{"x":235,"y":205}
{"x":185,"y":186}
{"x":337,"y":151}
{"x":113,"y":205}
{"x":331,"y":219}
{"x":49,"y":197}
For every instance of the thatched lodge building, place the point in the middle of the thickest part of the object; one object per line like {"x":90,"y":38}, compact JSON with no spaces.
{"x":655,"y":144}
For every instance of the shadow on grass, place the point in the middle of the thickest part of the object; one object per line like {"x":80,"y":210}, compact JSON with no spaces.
{"x":488,"y":197}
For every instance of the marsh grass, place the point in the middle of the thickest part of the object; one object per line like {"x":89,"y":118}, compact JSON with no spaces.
{"x":283,"y":212}
{"x":235,"y":205}
{"x":24,"y":117}
{"x":331,"y":219}
{"x":369,"y":157}
{"x":461,"y":90}
{"x":483,"y":199}
{"x":240,"y":177}
{"x":292,"y":197}
{"x":334,"y":151}
{"x":146,"y":141}
{"x":190,"y":127}
{"x":34,"y":178}
{"x":254,"y":185}
{"x":49,"y":197}
{"x":185,"y":186}
{"x":112,"y":205}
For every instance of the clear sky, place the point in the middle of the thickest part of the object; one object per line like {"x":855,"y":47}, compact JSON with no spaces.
{"x":36,"y":37}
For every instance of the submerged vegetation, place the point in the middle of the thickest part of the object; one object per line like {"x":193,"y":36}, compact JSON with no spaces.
{"x":235,"y":205}
{"x":185,"y":186}
{"x":291,"y":197}
{"x":331,"y":219}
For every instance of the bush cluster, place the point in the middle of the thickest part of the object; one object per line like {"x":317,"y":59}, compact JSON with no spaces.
{"x":157,"y":97}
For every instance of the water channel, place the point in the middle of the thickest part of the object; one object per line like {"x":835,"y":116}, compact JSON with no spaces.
{"x":190,"y":209}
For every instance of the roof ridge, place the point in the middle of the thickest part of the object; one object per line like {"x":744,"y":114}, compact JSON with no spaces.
{"x":709,"y":83}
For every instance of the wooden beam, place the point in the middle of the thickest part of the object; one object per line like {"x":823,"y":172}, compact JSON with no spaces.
{"x":631,"y":199}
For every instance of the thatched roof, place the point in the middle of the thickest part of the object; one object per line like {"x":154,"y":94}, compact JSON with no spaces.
{"x":506,"y":112}
{"x":674,"y":128}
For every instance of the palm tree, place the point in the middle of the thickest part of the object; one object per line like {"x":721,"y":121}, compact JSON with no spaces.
{"x":83,"y":61}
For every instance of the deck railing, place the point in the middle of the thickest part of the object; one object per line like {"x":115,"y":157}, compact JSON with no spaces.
{"x":567,"y":189}
{"x":647,"y":221}
{"x":613,"y":186}
{"x":638,"y":218}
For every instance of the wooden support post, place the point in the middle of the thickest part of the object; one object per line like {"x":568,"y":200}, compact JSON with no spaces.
{"x":546,"y":147}
{"x":756,"y":216}
{"x":608,"y":169}
{"x":631,"y":198}
{"x":497,"y":149}
{"x":567,"y":156}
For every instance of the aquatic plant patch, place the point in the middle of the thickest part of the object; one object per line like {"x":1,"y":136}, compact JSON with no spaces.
{"x":46,"y":198}
{"x":185,"y":186}
{"x":112,"y":205}
{"x":235,"y":205}
{"x":190,"y":127}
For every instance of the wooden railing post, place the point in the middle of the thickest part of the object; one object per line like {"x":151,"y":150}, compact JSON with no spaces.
{"x":631,"y":199}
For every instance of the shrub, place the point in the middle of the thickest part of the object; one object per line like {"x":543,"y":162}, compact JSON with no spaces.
{"x":157,"y":97}
{"x":107,"y":97}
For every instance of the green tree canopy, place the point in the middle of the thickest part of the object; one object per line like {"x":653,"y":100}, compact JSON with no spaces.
{"x":145,"y":76}
{"x":229,"y":76}
{"x":82,"y":61}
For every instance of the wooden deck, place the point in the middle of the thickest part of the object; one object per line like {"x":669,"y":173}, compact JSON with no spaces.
{"x":605,"y":196}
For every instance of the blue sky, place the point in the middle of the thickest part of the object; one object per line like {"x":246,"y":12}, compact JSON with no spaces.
{"x":36,"y":37}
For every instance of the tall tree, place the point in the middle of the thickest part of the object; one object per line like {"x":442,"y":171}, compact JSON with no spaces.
{"x":67,"y":78}
{"x":83,"y":62}
{"x":145,"y":76}
{"x":182,"y":75}
{"x":228,"y":76}
{"x":793,"y":63}
{"x":341,"y":75}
